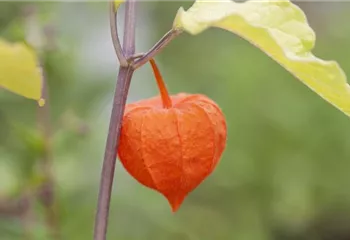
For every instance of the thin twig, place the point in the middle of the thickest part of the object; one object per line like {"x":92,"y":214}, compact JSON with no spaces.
{"x":129,"y":28}
{"x":27,"y":216}
{"x":163,"y":42}
{"x":120,"y":96}
{"x":46,"y":192}
{"x":114,"y":33}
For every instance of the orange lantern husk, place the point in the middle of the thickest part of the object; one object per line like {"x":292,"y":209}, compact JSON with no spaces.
{"x":172,"y":143}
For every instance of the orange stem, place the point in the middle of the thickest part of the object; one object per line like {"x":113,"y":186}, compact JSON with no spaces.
{"x":161,"y":85}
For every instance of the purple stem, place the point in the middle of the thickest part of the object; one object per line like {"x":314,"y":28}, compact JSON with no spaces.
{"x":120,"y":96}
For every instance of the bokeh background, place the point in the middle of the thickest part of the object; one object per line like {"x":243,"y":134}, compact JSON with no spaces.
{"x":284,"y":174}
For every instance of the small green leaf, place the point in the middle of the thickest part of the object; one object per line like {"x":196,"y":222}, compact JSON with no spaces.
{"x":278,"y":28}
{"x":19,"y":71}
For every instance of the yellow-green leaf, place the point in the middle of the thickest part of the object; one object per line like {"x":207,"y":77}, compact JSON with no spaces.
{"x":19,"y":71}
{"x":280,"y":29}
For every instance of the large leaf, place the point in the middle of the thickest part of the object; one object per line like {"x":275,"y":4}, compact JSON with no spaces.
{"x":19,"y":71}
{"x":280,"y":29}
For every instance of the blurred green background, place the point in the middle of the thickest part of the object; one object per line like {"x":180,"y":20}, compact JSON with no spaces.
{"x":283,"y":176}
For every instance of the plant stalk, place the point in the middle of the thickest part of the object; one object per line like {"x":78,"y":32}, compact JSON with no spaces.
{"x":159,"y":46}
{"x":46,"y":193}
{"x":120,"y":96}
{"x":114,"y":34}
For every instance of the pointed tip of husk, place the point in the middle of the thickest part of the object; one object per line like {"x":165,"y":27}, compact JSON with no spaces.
{"x":175,"y":201}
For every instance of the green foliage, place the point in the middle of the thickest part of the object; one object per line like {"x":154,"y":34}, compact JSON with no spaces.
{"x":284,"y":174}
{"x":19,"y":70}
{"x":280,"y":29}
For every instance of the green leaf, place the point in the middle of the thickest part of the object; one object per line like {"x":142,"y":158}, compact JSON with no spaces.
{"x":19,"y":71}
{"x":278,"y":28}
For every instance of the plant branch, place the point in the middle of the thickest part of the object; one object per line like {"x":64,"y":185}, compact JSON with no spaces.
{"x":162,"y":43}
{"x":129,"y":28}
{"x":27,"y":216}
{"x":120,"y":96}
{"x":46,"y":193}
{"x":114,"y":33}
